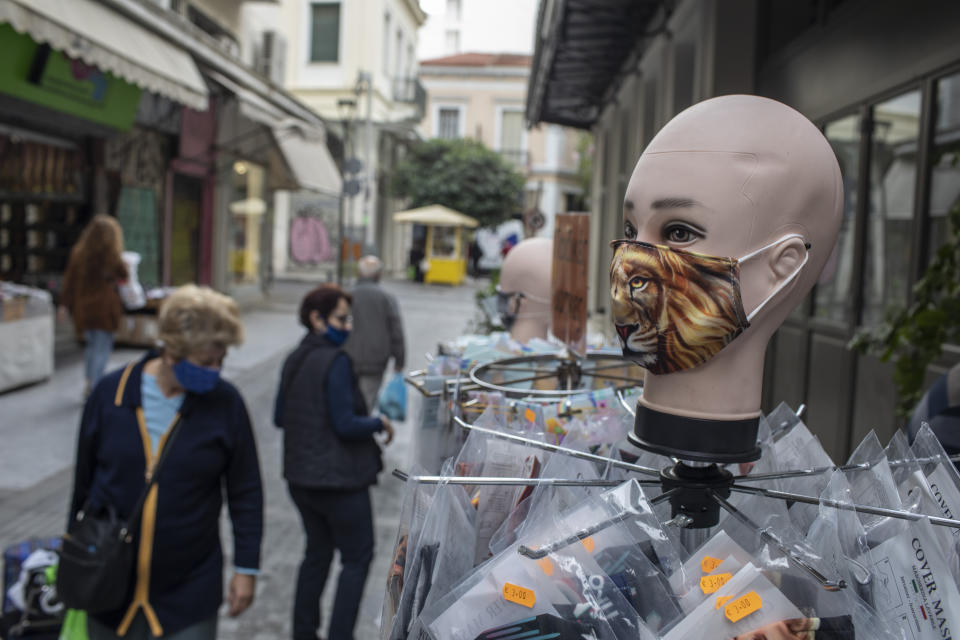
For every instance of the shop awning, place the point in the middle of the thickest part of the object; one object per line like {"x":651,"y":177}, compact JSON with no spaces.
{"x":305,"y":150}
{"x":105,"y":39}
{"x":581,"y":48}
{"x":436,"y":215}
{"x":303,"y":146}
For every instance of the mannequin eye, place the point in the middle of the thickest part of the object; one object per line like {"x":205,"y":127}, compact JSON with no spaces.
{"x":638,"y":283}
{"x":680,"y":233}
{"x":629,"y":231}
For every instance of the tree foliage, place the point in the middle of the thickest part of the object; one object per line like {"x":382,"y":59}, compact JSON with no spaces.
{"x":913,"y":338}
{"x":460,"y":174}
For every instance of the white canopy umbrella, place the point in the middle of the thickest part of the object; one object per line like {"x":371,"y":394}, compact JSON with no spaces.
{"x":436,"y":215}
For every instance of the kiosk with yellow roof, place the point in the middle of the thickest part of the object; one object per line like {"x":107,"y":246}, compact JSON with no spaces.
{"x":446,"y":253}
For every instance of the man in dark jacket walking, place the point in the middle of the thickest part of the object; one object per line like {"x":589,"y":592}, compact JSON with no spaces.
{"x":377,"y":330}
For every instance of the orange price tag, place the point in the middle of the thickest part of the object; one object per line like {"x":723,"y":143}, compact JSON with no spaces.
{"x":588,"y":544}
{"x":722,"y":600}
{"x":709,"y":584}
{"x":519,"y":595}
{"x":709,"y":565}
{"x":546,"y":565}
{"x":530,"y":415}
{"x":743,"y":606}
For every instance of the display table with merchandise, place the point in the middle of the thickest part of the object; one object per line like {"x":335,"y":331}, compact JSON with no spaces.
{"x":26,"y":335}
{"x":139,"y":326}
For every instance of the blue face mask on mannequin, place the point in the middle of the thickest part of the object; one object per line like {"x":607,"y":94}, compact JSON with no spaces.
{"x":336,"y":336}
{"x":194,"y":378}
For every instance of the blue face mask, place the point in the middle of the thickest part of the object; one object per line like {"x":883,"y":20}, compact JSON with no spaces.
{"x":194,"y":378}
{"x":336,"y":336}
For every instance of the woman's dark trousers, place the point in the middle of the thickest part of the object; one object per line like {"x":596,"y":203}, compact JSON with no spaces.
{"x":332,"y":519}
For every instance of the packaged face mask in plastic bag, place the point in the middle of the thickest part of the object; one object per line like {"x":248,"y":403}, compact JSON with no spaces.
{"x":495,"y":503}
{"x":542,"y":627}
{"x":851,"y":602}
{"x":413,"y":513}
{"x":873,"y":484}
{"x":944,"y":484}
{"x":594,"y":598}
{"x":436,"y":442}
{"x":511,"y":588}
{"x":911,"y":484}
{"x":545,"y":500}
{"x":918,"y":496}
{"x":641,"y":522}
{"x":624,"y":557}
{"x":942,"y":476}
{"x":848,"y":546}
{"x":915,"y":590}
{"x":746,"y":602}
{"x":502,"y":591}
{"x":796,"y":448}
{"x":719,"y":549}
{"x":441,"y":556}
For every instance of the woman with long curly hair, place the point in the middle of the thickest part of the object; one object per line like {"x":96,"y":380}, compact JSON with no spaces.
{"x":90,"y":292}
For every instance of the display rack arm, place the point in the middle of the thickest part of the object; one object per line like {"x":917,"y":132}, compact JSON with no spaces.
{"x":583,"y":455}
{"x":511,"y":482}
{"x":847,"y":506}
{"x":766,"y":535}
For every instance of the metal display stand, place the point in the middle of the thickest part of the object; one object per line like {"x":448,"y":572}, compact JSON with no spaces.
{"x":696,"y":491}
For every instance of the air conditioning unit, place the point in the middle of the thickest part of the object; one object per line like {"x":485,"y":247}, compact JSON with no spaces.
{"x":272,"y":56}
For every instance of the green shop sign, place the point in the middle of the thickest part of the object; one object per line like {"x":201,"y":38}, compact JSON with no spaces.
{"x":46,"y":77}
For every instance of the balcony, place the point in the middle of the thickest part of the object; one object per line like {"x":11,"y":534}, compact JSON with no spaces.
{"x":519,"y":158}
{"x":410,"y":91}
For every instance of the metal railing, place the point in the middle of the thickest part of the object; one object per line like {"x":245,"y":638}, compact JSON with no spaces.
{"x":410,"y":91}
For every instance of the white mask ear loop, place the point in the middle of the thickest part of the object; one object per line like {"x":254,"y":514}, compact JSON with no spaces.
{"x":780,"y":287}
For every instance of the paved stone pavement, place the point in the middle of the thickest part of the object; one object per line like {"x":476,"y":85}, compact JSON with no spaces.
{"x":38,"y":431}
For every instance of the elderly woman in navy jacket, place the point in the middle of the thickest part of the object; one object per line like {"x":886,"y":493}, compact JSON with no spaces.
{"x":330,"y":459}
{"x":178,"y":583}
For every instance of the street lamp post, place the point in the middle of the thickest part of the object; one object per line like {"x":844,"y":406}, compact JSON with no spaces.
{"x":346,"y":107}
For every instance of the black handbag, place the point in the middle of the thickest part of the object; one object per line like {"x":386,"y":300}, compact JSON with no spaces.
{"x":97,"y":555}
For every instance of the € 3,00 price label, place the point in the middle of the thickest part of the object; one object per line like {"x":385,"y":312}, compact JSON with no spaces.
{"x":743,"y":606}
{"x":519,"y":595}
{"x":709,"y":584}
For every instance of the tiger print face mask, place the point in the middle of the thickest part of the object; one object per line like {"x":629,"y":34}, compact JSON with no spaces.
{"x":675,"y":309}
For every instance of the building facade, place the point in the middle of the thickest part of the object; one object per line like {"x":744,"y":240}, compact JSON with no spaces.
{"x":354,"y":63}
{"x":882,"y":80}
{"x":483,"y":96}
{"x":145,"y":111}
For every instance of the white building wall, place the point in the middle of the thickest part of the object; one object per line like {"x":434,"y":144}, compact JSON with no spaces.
{"x":481,"y":27}
{"x":369,"y":43}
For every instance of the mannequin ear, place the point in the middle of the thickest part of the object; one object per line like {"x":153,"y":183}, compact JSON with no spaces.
{"x":786,"y":258}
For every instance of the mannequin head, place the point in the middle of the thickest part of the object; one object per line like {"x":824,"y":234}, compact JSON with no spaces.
{"x":726,"y":177}
{"x":527,"y":270}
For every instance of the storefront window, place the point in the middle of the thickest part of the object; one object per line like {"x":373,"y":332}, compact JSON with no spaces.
{"x":893,"y":180}
{"x":185,"y":229}
{"x":833,"y":299}
{"x":444,"y":242}
{"x":248,"y":210}
{"x":945,"y":164}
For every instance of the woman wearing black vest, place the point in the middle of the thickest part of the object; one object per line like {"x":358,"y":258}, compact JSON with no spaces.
{"x":330,"y":459}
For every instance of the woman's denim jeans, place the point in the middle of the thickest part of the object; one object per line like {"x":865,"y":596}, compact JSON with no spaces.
{"x":96,"y":354}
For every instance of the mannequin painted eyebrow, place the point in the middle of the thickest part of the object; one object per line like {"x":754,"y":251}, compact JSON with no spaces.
{"x":664,"y":203}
